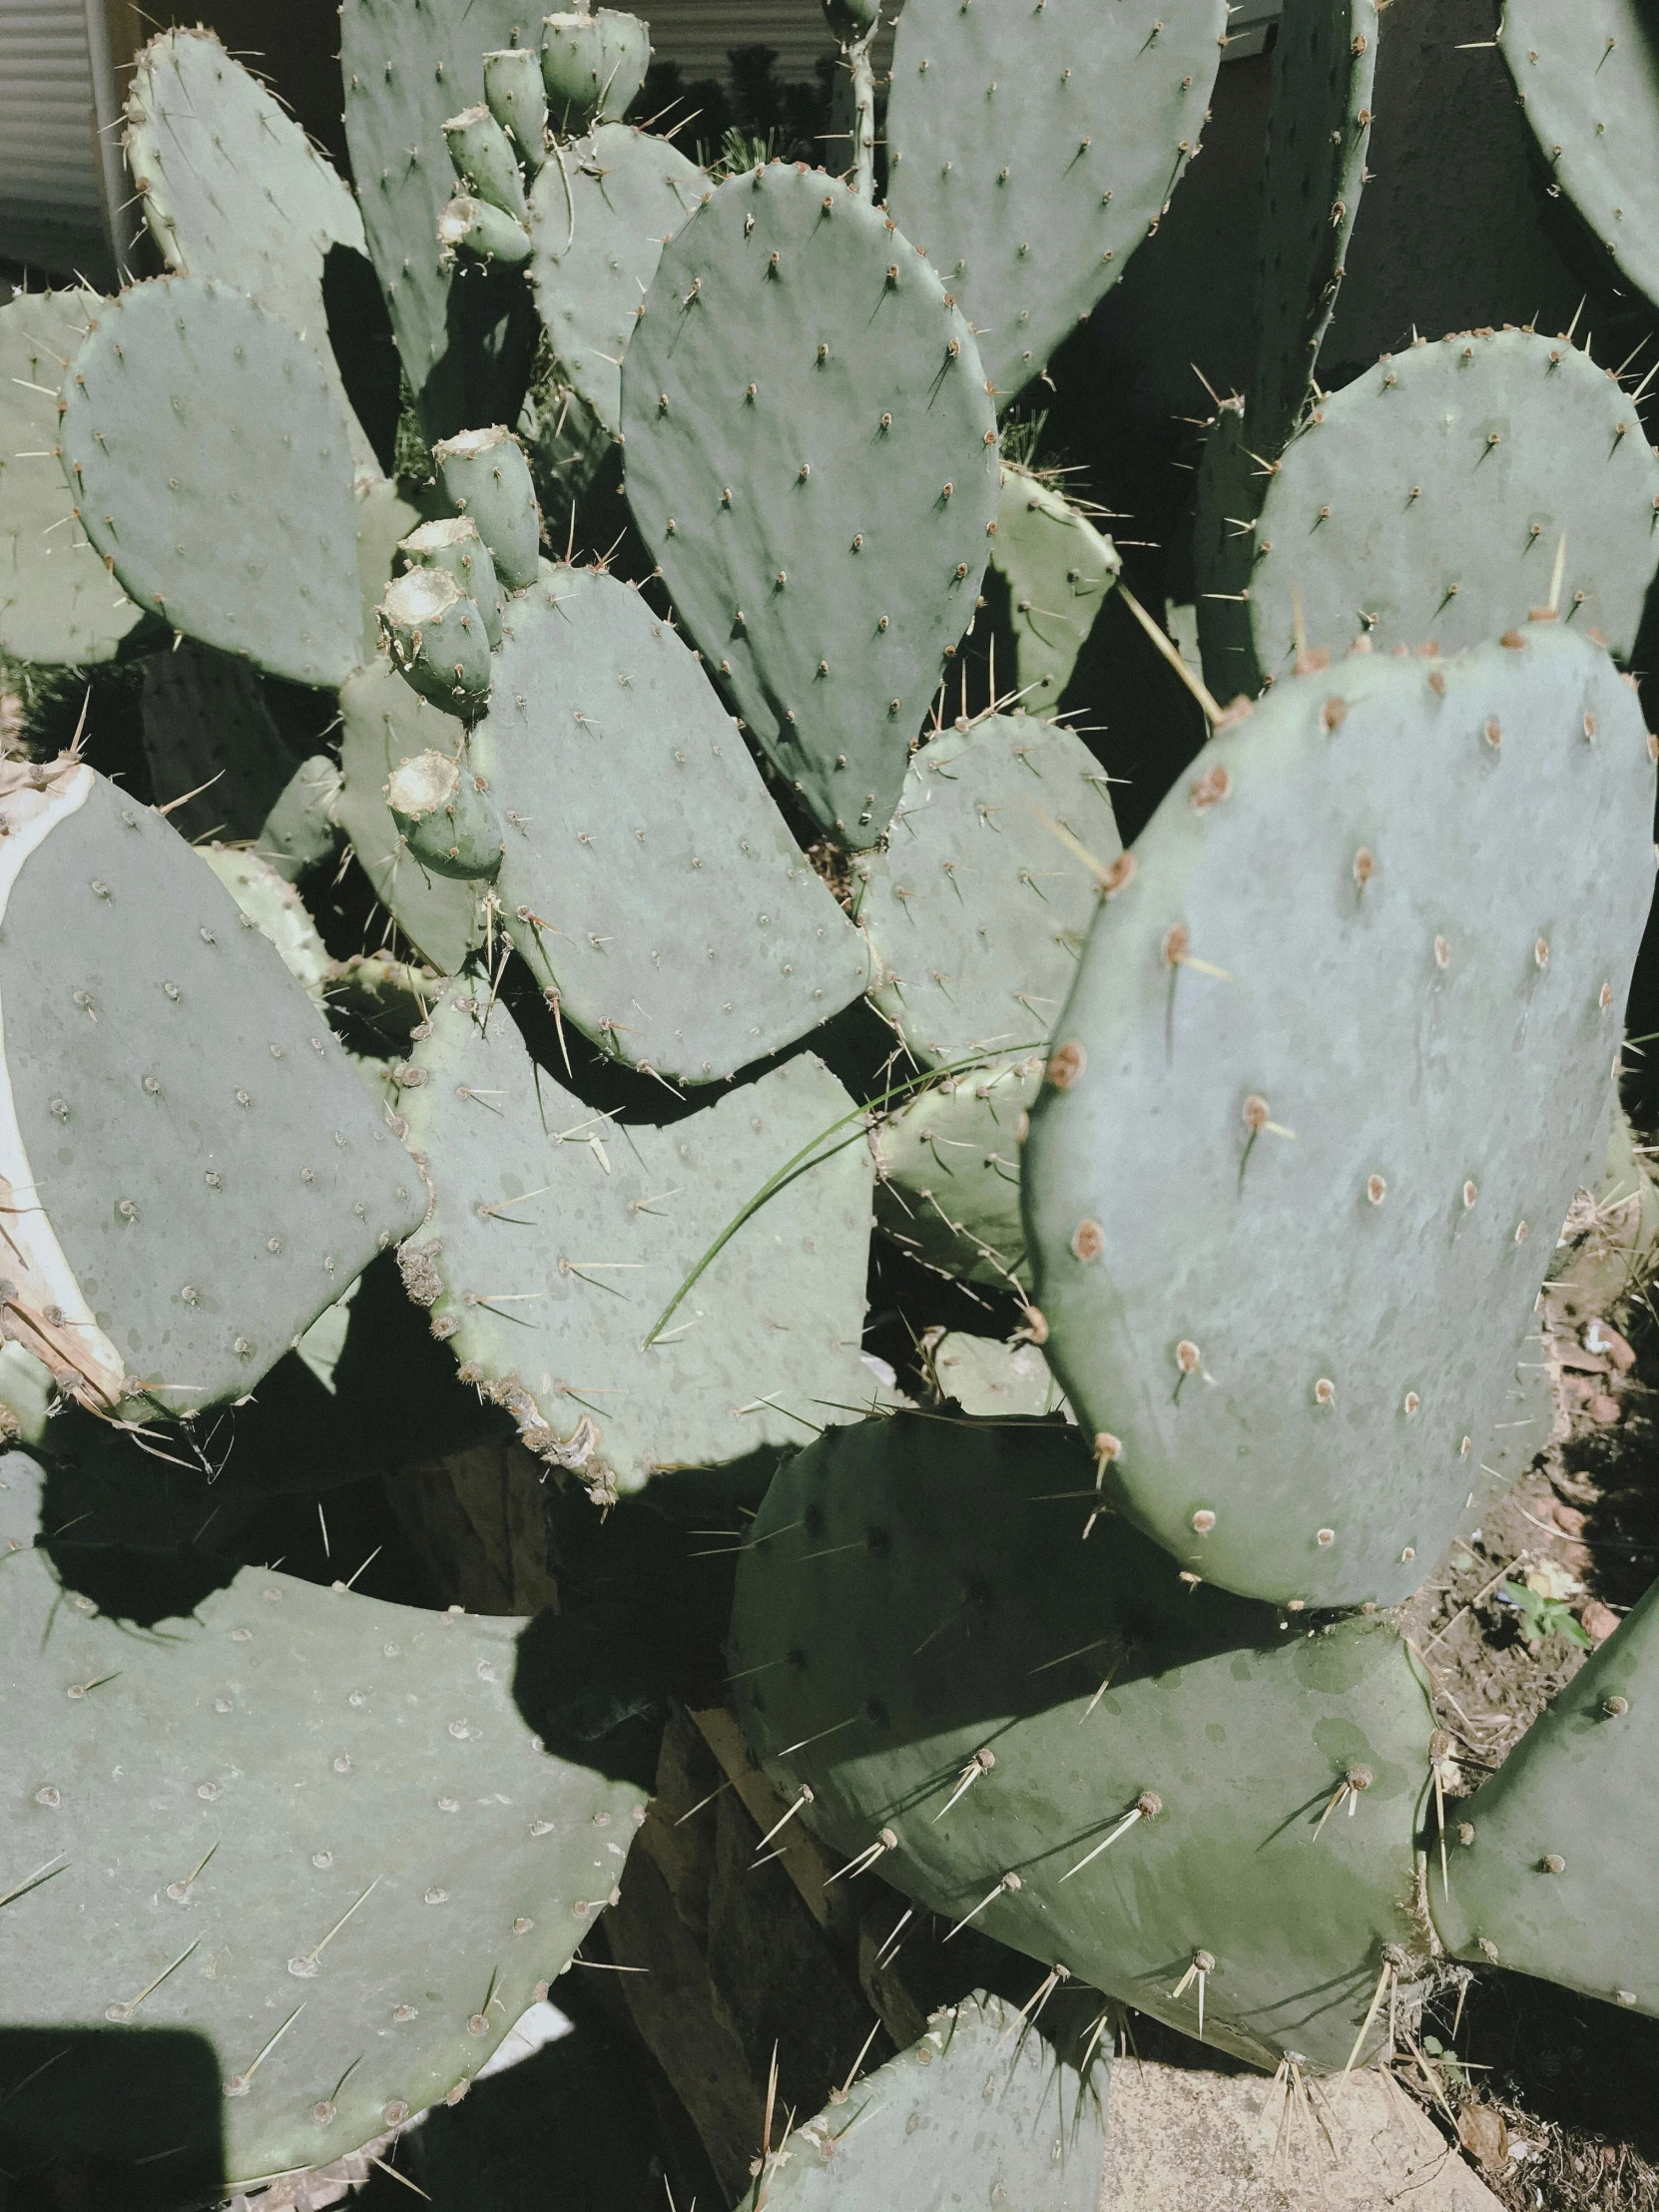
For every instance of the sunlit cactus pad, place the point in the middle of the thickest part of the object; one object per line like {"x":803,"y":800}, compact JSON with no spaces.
{"x":948,"y":1172}
{"x":1338,"y":1057}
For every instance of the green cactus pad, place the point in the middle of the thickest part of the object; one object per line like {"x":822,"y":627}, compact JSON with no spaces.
{"x":1544,"y":1859}
{"x":233,"y":188}
{"x":1337,"y":1059}
{"x":556,"y":1237}
{"x":300,"y":832}
{"x":976,"y":909}
{"x":205,"y":1173}
{"x":58,"y":602}
{"x":812,"y":457}
{"x":981,"y":2110}
{"x":625,"y":790}
{"x":1033,"y":149}
{"x":913,"y":1594}
{"x":226,"y":510}
{"x":601,"y":211}
{"x":1589,"y":83}
{"x":1057,"y":567}
{"x":405,"y":72}
{"x":276,"y":910}
{"x":384,"y":722}
{"x":484,"y":475}
{"x":211,"y":740}
{"x":592,"y":65}
{"x":385,"y":520}
{"x":985,"y":1376}
{"x":947,"y":1173}
{"x":309,"y":1828}
{"x":1425,"y":500}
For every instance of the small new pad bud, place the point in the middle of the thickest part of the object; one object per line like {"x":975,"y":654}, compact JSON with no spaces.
{"x":452,"y":543}
{"x":517,"y":99}
{"x":592,"y":66}
{"x":437,"y":640}
{"x":484,"y":160}
{"x":485,"y":476}
{"x":447,"y":821}
{"x":488,"y":232}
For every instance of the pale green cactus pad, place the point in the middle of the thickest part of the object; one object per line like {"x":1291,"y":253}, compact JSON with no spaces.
{"x":276,"y":910}
{"x":1057,"y":567}
{"x":1426,"y":501}
{"x":228,"y":512}
{"x":601,"y":211}
{"x":947,"y":1173}
{"x":812,"y":457}
{"x":1588,"y":79}
{"x":557,"y":1237}
{"x":384,"y":722}
{"x":58,"y":602}
{"x":625,"y":788}
{"x":196,"y":1170}
{"x":1033,"y":149}
{"x":982,"y":2104}
{"x":1070,"y":1749}
{"x":216,"y":758}
{"x":309,"y":1828}
{"x":232,"y":187}
{"x":1538,"y":1860}
{"x":1352,"y":1022}
{"x":985,"y":1376}
{"x":976,"y":908}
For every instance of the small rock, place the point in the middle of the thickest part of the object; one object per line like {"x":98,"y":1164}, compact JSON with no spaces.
{"x":1599,"y":1621}
{"x":1483,"y":2135}
{"x":1604,"y":1409}
{"x":1567,"y":1518}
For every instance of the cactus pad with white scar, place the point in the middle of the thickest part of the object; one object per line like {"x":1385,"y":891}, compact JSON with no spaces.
{"x":601,"y":211}
{"x":1033,"y":149}
{"x":981,"y":2110}
{"x":948,"y":1172}
{"x":226,"y":509}
{"x":557,"y":1237}
{"x":1142,"y":1773}
{"x":812,"y":457}
{"x":311,"y":1828}
{"x":58,"y":602}
{"x":1337,"y":1056}
{"x":624,"y":786}
{"x":196,"y":1170}
{"x":976,"y":908}
{"x":1429,"y":498}
{"x":1546,"y":1859}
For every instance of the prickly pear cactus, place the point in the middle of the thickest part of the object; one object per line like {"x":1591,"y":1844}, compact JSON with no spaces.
{"x":196,"y":1170}
{"x":985,"y":1376}
{"x":58,"y":602}
{"x":948,"y":1172}
{"x":980,"y":2103}
{"x":1057,"y":568}
{"x":1174,"y":1795}
{"x":226,"y":510}
{"x":625,"y":788}
{"x":812,"y":459}
{"x":218,"y":760}
{"x":1288,"y":1071}
{"x":607,"y":1282}
{"x":311,"y":1829}
{"x":1032,"y":150}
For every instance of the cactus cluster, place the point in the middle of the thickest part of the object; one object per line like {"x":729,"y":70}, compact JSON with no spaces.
{"x":707,"y":928}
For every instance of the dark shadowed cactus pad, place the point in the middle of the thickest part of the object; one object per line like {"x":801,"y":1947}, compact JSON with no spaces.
{"x":1337,"y":1056}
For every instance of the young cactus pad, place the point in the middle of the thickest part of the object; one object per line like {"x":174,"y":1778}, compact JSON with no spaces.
{"x":1589,"y":85}
{"x":195,"y":1167}
{"x":1337,"y":1059}
{"x":212,"y":742}
{"x":947,"y":1173}
{"x":984,"y":1375}
{"x":601,"y":212}
{"x":976,"y":908}
{"x":58,"y":602}
{"x":232,"y":188}
{"x":1033,"y":149}
{"x":812,"y":457}
{"x":1057,"y":567}
{"x":224,"y":506}
{"x":919,"y":1637}
{"x":1543,"y":1860}
{"x":311,"y":1828}
{"x":1429,"y":498}
{"x":980,"y":2110}
{"x":557,"y":1237}
{"x":592,"y":64}
{"x":626,"y":789}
